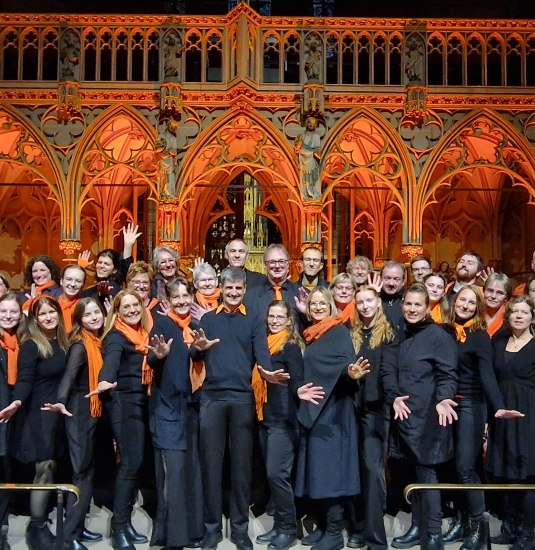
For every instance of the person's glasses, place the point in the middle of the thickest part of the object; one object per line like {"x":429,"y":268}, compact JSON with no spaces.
{"x":140,"y":284}
{"x":321,"y":305}
{"x":273,"y":263}
{"x":278,"y":318}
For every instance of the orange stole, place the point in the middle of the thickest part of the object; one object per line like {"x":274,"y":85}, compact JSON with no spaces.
{"x":210,"y":301}
{"x":496,"y":324}
{"x":39,"y":289}
{"x":436,"y":314}
{"x":140,"y":338}
{"x":93,"y":348}
{"x":347,"y":312}
{"x":460,"y":330}
{"x":67,"y":307}
{"x":275,"y":344}
{"x":10,"y":343}
{"x":319,"y":329}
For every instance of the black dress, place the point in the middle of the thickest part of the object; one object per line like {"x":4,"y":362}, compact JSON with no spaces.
{"x":327,"y":465}
{"x":36,"y":433}
{"x":511,"y":450}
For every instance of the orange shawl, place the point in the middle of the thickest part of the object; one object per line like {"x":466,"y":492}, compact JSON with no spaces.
{"x":140,"y":338}
{"x":496,"y":324}
{"x":210,"y":301}
{"x":197,"y":370}
{"x":460,"y":330}
{"x":319,"y":329}
{"x":39,"y":289}
{"x":10,"y":343}
{"x":347,"y":312}
{"x":436,"y":313}
{"x":67,"y":307}
{"x":93,"y":347}
{"x":275,"y":344}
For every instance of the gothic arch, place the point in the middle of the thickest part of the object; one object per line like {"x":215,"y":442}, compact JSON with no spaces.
{"x":240,"y":141}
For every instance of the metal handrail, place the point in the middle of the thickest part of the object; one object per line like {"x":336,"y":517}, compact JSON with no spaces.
{"x":409,"y":489}
{"x":59,"y":488}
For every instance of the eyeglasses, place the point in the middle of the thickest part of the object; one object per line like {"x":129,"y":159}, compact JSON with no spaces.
{"x":278,"y":318}
{"x":319,"y":304}
{"x":140,"y":284}
{"x":273,"y":263}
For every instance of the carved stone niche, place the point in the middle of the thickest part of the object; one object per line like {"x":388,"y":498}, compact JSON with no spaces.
{"x":313,"y":104}
{"x":171,"y":105}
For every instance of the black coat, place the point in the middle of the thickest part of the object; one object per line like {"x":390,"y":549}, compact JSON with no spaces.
{"x":427,"y":372}
{"x":5,"y":400}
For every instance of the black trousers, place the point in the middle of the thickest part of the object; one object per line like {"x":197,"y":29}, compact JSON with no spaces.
{"x":278,"y":447}
{"x":128,"y":420}
{"x":4,"y":495}
{"x":80,"y":429}
{"x":427,"y":474}
{"x":370,"y":505}
{"x":222,"y":421}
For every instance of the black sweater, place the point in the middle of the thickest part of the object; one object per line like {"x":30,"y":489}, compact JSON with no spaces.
{"x":229,"y":364}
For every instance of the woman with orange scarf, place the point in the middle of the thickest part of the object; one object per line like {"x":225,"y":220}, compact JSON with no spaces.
{"x":127,"y":376}
{"x":207,"y":293}
{"x":330,"y":362}
{"x":279,"y":427}
{"x":84,"y":361}
{"x":72,"y":281}
{"x":174,"y":398}
{"x":11,"y":327}
{"x":436,"y":284}
{"x":477,"y":386}
{"x":343,"y":288}
{"x":497,"y":291}
{"x":42,"y":276}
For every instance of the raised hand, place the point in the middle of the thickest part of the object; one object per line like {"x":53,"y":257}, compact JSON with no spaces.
{"x":401,"y":410}
{"x":102,"y":387}
{"x":200,"y":341}
{"x":130,"y":236}
{"x":9,"y":411}
{"x":446,"y":411}
{"x":159,"y":346}
{"x":198,"y":311}
{"x":311,"y":393}
{"x":84,"y":259}
{"x":56,"y":407}
{"x":358,"y":369}
{"x":301,"y":300}
{"x":165,"y":308}
{"x":279,"y":376}
{"x":375,"y":280}
{"x":198,"y":261}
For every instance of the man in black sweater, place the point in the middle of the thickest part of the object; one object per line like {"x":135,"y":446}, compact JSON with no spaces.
{"x":227,"y":407}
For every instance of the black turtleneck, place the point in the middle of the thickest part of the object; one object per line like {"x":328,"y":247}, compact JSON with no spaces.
{"x":392,"y":308}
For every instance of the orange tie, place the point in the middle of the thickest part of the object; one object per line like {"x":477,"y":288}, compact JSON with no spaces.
{"x":277,"y":294}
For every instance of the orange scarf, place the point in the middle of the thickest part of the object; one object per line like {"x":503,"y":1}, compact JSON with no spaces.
{"x":10,"y":343}
{"x":210,"y":301}
{"x":496,"y":324}
{"x":39,"y":290}
{"x":275,"y":344}
{"x":140,"y":338}
{"x":319,"y":329}
{"x":436,"y":314}
{"x":460,"y":330}
{"x":67,"y":307}
{"x":197,"y":370}
{"x":347,"y":313}
{"x":93,"y":347}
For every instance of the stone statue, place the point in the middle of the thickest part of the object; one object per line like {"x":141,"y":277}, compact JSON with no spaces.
{"x":313,"y":60}
{"x":307,"y":147}
{"x":69,"y":55}
{"x":167,"y":144}
{"x":172,"y":52}
{"x":414,"y":61}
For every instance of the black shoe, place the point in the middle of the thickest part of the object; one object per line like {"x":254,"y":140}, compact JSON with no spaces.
{"x":38,"y":535}
{"x":266,"y":538}
{"x":456,"y":533}
{"x":507,"y":534}
{"x":525,"y":541}
{"x":283,"y":541}
{"x":436,"y":542}
{"x":355,"y":540}
{"x":74,"y":545}
{"x":242,"y":541}
{"x":211,"y":540}
{"x":90,"y":536}
{"x":409,"y":539}
{"x":477,"y":539}
{"x":312,"y":538}
{"x":120,"y":540}
{"x":330,"y":541}
{"x":193,"y":544}
{"x":133,"y":536}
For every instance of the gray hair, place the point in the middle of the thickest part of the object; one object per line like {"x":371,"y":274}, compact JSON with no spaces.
{"x":156,"y":254}
{"x":233,"y":274}
{"x":206,"y":269}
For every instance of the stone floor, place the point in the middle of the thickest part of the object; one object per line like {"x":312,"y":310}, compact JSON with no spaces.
{"x":99,"y":520}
